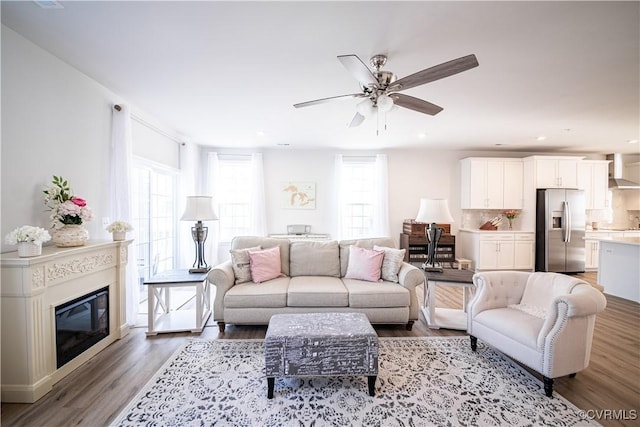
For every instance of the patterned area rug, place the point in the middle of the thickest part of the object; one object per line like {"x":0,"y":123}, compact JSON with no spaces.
{"x":421,"y":382}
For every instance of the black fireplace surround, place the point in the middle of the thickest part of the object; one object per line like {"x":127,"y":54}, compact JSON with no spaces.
{"x":80,"y":324}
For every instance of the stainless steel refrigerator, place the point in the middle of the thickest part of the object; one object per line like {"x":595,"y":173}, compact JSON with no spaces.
{"x":560,"y":221}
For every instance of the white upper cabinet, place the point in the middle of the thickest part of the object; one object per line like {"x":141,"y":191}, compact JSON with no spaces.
{"x":593,"y":177}
{"x":491,"y":183}
{"x":555,"y":171}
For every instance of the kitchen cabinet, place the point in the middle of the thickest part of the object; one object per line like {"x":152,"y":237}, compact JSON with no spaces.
{"x":555,"y":171}
{"x":593,"y":177}
{"x":497,"y":250}
{"x":523,"y":251}
{"x":491,"y":183}
{"x":592,"y":248}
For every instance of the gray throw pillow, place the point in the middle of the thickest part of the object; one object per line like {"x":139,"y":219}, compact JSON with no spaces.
{"x":391,"y":263}
{"x":241,"y":264}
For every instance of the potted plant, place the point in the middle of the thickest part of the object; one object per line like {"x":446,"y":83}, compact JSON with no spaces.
{"x":119,"y":229}
{"x":68,"y":213}
{"x":29,"y":240}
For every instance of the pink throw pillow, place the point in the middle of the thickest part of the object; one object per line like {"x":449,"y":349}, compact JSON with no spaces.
{"x":364,"y":264}
{"x":265,"y":264}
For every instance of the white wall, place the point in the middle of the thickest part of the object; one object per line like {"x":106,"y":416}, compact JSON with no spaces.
{"x":55,"y":121}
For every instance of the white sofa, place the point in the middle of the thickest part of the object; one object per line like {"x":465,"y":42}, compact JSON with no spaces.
{"x":543,"y":320}
{"x":313,"y":280}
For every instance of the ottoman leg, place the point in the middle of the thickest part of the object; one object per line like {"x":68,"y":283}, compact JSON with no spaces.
{"x":372,"y":385}
{"x":270,"y":384}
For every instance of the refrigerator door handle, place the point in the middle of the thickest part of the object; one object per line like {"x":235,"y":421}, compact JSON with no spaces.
{"x":569,"y":226}
{"x":565,"y":218}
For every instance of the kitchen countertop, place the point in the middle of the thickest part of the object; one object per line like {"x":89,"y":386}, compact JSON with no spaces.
{"x":634,"y":241}
{"x":475,"y":230}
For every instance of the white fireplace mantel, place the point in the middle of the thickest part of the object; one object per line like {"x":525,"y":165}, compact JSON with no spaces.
{"x":31,"y":288}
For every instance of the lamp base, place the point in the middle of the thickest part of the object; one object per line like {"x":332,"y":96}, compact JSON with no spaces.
{"x":200,"y":270}
{"x":431,"y":268}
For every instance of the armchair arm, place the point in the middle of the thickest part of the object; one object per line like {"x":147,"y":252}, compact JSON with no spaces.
{"x":583,"y":301}
{"x":223,"y":278}
{"x":409,"y":277}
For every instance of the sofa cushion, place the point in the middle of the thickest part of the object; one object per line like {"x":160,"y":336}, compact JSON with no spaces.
{"x":317,"y":291}
{"x":314,"y":259}
{"x":265,"y":264}
{"x":241,"y":264}
{"x":391,"y":262}
{"x":242,"y":242}
{"x":361,"y":243}
{"x":364,"y":264}
{"x":272,"y":293}
{"x":364,"y":294}
{"x":512,"y":323}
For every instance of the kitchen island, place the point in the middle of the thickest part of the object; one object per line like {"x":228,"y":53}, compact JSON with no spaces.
{"x":619,"y":271}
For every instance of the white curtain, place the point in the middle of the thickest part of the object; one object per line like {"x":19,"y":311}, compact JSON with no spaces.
{"x":120,"y":197}
{"x":209,"y":188}
{"x":381,"y":197}
{"x":258,"y":203}
{"x":339,"y":196}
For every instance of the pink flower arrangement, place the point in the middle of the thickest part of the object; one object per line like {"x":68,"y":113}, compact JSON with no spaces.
{"x":65,"y":208}
{"x":511,"y":214}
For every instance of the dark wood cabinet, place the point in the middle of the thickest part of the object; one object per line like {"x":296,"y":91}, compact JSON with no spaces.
{"x":416,"y":248}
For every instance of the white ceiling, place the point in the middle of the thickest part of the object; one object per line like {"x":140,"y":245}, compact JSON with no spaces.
{"x":220,"y":72}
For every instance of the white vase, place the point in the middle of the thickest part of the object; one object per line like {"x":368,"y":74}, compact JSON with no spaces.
{"x":69,"y":236}
{"x":119,"y":235}
{"x":27,"y":249}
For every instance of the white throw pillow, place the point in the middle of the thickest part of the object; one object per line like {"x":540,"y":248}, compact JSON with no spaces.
{"x":241,"y":264}
{"x":391,"y":262}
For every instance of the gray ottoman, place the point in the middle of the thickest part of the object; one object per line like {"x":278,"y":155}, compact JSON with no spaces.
{"x":320,"y":344}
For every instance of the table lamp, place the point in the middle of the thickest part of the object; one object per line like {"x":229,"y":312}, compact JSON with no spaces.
{"x":199,"y":208}
{"x":433,"y":211}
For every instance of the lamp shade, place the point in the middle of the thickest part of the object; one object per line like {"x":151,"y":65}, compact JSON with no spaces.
{"x":199,"y":208}
{"x":434,"y":210}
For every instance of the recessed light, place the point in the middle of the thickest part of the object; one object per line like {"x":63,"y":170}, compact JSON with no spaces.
{"x":48,"y":4}
{"x":541,"y":138}
{"x":632,"y":141}
{"x":260,"y":133}
{"x":422,"y":135}
{"x":283,"y":144}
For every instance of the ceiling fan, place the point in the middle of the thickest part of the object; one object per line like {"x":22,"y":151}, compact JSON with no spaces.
{"x":379,"y":88}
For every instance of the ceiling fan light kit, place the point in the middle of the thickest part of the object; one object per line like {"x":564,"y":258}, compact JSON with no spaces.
{"x":379,"y":87}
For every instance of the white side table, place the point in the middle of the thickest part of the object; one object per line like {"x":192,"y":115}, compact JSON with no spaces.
{"x":448,"y":318}
{"x":161,"y":317}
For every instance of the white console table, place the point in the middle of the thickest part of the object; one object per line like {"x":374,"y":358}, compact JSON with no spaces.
{"x":31,"y":290}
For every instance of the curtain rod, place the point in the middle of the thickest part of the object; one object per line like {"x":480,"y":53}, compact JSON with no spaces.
{"x":151,"y":126}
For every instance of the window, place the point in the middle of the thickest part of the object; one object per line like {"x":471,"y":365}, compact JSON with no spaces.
{"x":357,"y":209}
{"x":154,"y":217}
{"x":234,"y":196}
{"x":362,"y":189}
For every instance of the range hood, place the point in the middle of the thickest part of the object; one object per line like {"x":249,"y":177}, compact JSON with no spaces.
{"x":616,"y":182}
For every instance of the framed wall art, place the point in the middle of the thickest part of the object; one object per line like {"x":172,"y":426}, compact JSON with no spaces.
{"x":299,"y":195}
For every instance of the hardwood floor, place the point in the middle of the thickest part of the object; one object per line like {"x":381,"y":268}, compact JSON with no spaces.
{"x":96,"y":392}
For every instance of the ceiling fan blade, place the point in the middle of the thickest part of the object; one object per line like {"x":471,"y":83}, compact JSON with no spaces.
{"x":434,"y":73}
{"x":332,"y":98}
{"x":415,"y":104}
{"x":357,"y":120}
{"x":358,"y":69}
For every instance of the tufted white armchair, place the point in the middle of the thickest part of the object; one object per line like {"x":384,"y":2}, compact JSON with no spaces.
{"x":543,"y":320}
